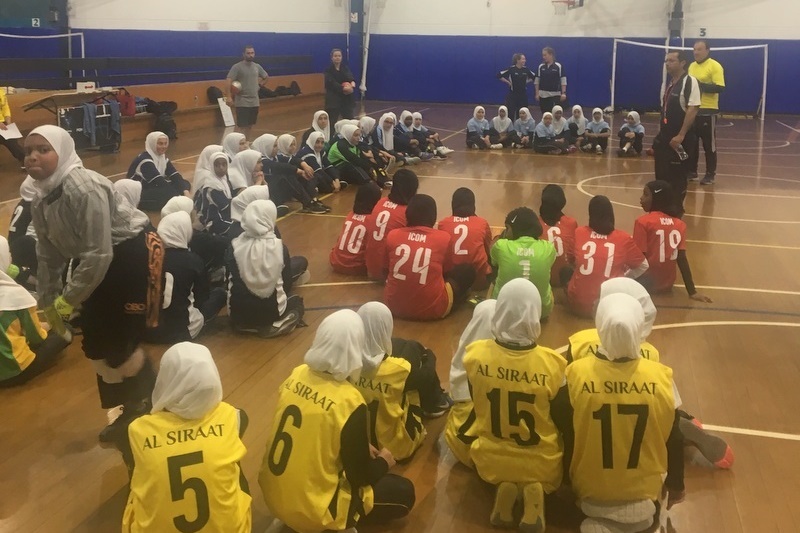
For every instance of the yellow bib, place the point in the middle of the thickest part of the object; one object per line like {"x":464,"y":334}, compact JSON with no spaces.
{"x":187,"y":474}
{"x":395,"y":417}
{"x":624,"y":413}
{"x":517,"y":440}
{"x":458,"y":431}
{"x":585,"y":344}
{"x":302,"y":476}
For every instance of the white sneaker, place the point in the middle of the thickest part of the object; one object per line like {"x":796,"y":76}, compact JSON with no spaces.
{"x":497,"y":146}
{"x":304,"y":278}
{"x":447,"y":150}
{"x":598,"y":150}
{"x":441,"y":150}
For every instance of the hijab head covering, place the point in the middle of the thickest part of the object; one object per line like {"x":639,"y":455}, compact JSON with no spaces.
{"x":64,"y":147}
{"x":580,"y":121}
{"x":188,"y":383}
{"x":558,"y":123}
{"x":404,"y":186}
{"x":204,"y":169}
{"x":338,"y":126}
{"x":367,"y":196}
{"x":526,"y":112}
{"x":635,"y":289}
{"x":326,"y":131}
{"x":264,"y":144}
{"x":421,"y":211}
{"x":553,"y":202}
{"x":619,"y":321}
{"x":178,"y":204}
{"x":463,"y":202}
{"x":595,"y":111}
{"x":416,"y":115}
{"x":557,"y":109}
{"x":367,"y":125}
{"x":475,"y":112}
{"x":311,"y":142}
{"x":518,"y":312}
{"x":285,"y":142}
{"x":402,"y":123}
{"x":378,"y":325}
{"x":150,"y":143}
{"x":258,"y":251}
{"x":578,"y":108}
{"x":247,"y":197}
{"x":175,"y":230}
{"x":338,"y":346}
{"x":27,"y":190}
{"x":524,"y":223}
{"x":386,"y":137}
{"x":601,"y":215}
{"x":212,"y":181}
{"x":499,"y":123}
{"x":230,"y":144}
{"x":547,"y":115}
{"x":240,"y":173}
{"x":663,"y":198}
{"x":635,"y":116}
{"x":479,"y":328}
{"x":13,"y":296}
{"x":347,"y":133}
{"x":130,"y":189}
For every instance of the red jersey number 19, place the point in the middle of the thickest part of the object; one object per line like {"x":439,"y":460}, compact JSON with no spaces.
{"x":420,"y":264}
{"x":590,"y":248}
{"x":674,"y":240}
{"x":356,"y":238}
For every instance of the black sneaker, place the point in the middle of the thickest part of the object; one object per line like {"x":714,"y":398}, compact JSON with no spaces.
{"x":281,"y":327}
{"x":445,"y":403}
{"x":314,"y":209}
{"x":342,"y":185}
{"x":692,"y":176}
{"x":708,"y":179}
{"x":327,"y":209}
{"x":283,"y":210}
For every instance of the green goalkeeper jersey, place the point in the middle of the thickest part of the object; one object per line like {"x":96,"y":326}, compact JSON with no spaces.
{"x":527,"y":258}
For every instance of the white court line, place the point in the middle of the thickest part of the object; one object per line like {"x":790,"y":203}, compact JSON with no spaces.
{"x":581,"y":188}
{"x":699,"y":191}
{"x":747,"y":244}
{"x":337,"y":284}
{"x":743,"y":289}
{"x":787,"y":126}
{"x":727,"y":429}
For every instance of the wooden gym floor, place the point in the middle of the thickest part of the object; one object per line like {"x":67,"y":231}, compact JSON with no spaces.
{"x":735,"y":360}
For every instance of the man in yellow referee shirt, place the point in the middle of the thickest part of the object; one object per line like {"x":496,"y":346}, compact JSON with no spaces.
{"x":5,"y":119}
{"x":711,"y":77}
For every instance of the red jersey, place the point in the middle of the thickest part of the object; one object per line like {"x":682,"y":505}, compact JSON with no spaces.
{"x":562,"y":237}
{"x":598,"y":258}
{"x":347,"y":256}
{"x":660,"y":236}
{"x":470,"y":238}
{"x":417,"y":259}
{"x":385,"y":217}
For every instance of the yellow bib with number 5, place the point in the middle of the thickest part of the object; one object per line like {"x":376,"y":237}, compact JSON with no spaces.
{"x":186,"y":476}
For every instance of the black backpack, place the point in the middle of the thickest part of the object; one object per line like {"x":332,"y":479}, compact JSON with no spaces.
{"x":214,"y":93}
{"x":166,"y":124}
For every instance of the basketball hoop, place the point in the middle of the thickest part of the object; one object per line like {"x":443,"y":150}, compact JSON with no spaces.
{"x":561,"y":6}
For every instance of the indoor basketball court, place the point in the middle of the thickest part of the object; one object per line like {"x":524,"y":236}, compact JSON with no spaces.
{"x":733,"y":360}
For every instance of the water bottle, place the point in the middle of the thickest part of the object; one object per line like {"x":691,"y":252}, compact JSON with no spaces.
{"x":682,"y":155}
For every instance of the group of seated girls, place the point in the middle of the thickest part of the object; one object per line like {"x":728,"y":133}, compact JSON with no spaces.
{"x":562,"y":406}
{"x":555,"y":134}
{"x":325,"y":467}
{"x":429,"y":268}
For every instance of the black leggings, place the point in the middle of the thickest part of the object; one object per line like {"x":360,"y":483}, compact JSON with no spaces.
{"x":283,"y":188}
{"x":423,"y":377}
{"x":394,"y":497}
{"x":461,"y":278}
{"x":352,"y":174}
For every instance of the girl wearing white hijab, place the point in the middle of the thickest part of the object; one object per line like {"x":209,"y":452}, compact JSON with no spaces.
{"x":158,"y":176}
{"x":204,"y":167}
{"x":347,"y":157}
{"x":22,"y":236}
{"x":287,"y":150}
{"x":381,"y":160}
{"x":428,"y":138}
{"x":187,"y":400}
{"x":559,"y":122}
{"x":233,"y":143}
{"x":577,"y":127}
{"x":597,"y":133}
{"x":522,"y":455}
{"x":78,"y":214}
{"x":314,"y":155}
{"x":321,"y":124}
{"x":331,"y":433}
{"x":213,"y":200}
{"x":525,"y":127}
{"x":545,"y":140}
{"x":188,"y":300}
{"x":245,"y":170}
{"x":479,"y":131}
{"x":131,"y":190}
{"x":503,"y":126}
{"x":389,"y":141}
{"x":404,"y":139}
{"x":26,"y":349}
{"x":631,"y":135}
{"x":257,"y":275}
{"x":612,"y":493}
{"x":457,"y":432}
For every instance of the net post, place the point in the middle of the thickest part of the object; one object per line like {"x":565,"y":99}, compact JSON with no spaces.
{"x":613,"y":75}
{"x":764,"y":86}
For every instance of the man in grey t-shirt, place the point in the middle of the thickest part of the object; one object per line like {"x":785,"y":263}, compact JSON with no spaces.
{"x":252,"y":76}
